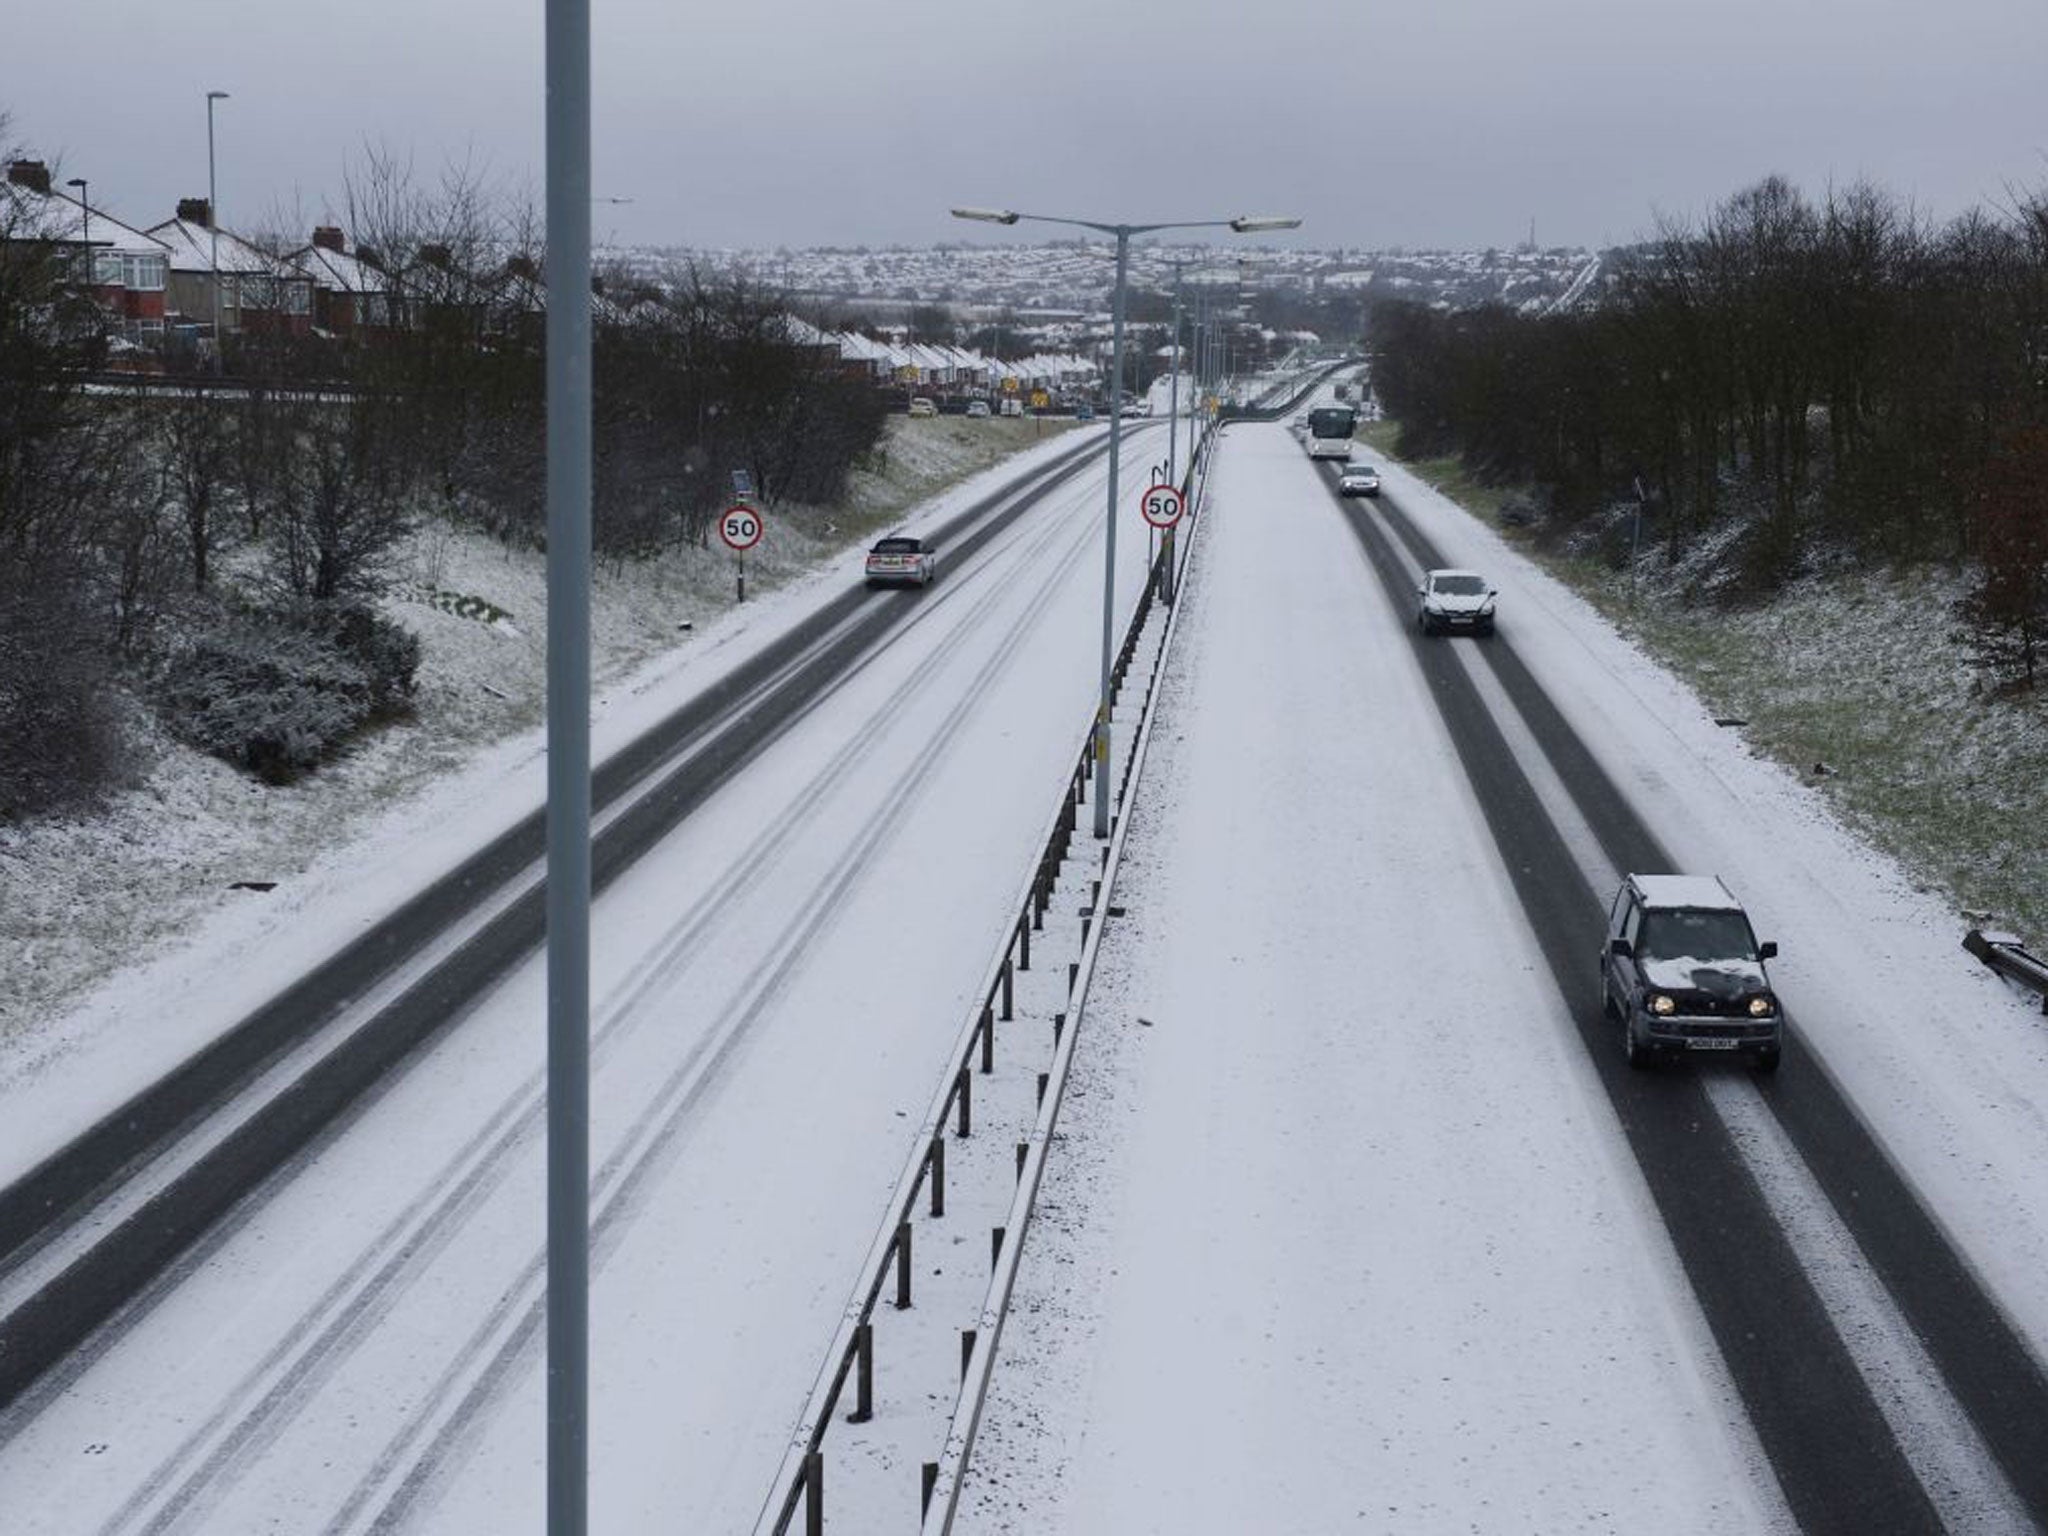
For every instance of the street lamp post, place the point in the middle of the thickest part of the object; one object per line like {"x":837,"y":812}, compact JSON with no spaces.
{"x":213,"y":221}
{"x":85,"y":203}
{"x":1123,"y":232}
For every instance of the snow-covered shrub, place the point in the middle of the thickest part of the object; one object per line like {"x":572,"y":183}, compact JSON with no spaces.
{"x":277,"y":691}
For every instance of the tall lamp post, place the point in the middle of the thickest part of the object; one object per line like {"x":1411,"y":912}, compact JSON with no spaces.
{"x":213,"y":221}
{"x":1123,"y":233}
{"x":85,"y":203}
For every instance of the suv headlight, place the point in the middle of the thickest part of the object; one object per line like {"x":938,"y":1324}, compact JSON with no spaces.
{"x":1762,"y":1006}
{"x":1660,"y":1003}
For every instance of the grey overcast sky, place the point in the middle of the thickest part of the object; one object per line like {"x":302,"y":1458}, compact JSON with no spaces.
{"x":834,"y":122}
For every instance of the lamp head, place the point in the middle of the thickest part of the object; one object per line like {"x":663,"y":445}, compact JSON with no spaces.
{"x":986,"y":215}
{"x":216,"y":95}
{"x":1258,"y":224}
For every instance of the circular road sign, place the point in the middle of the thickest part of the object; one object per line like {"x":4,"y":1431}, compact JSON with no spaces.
{"x":1161,"y":505}
{"x":740,"y":527}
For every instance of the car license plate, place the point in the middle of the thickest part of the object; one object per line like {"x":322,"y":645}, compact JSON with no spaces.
{"x":1711,"y":1043}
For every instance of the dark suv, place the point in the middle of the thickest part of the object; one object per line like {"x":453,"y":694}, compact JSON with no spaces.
{"x":1681,"y":972}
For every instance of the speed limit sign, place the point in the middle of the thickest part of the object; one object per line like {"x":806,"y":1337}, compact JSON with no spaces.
{"x":740,"y":527}
{"x":1161,"y":505}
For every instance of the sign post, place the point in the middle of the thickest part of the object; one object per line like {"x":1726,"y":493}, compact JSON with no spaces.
{"x":741,"y":528}
{"x":1162,"y":507}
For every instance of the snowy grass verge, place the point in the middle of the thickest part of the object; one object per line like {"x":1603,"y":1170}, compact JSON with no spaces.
{"x":83,"y":894}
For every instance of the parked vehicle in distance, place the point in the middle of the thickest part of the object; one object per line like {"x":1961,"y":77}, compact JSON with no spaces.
{"x":1455,"y":600}
{"x":1084,"y":412}
{"x":1358,"y":480}
{"x":1299,"y":425}
{"x":1136,"y":408}
{"x":1011,"y":406}
{"x":1682,"y":972}
{"x":902,"y":561}
{"x":977,"y":408}
{"x":920,"y":406}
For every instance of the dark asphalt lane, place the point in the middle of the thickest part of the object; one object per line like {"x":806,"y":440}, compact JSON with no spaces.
{"x":1983,"y":1359}
{"x":1834,"y":1455}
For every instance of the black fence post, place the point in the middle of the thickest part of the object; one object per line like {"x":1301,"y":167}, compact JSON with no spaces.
{"x":1023,"y":1152}
{"x":930,"y":1476}
{"x":938,"y":1164}
{"x":988,"y":1039}
{"x":864,"y":1374}
{"x":1008,"y":1010}
{"x":902,"y":1266}
{"x":814,"y":1493}
{"x":965,"y":1125}
{"x":967,"y":1337}
{"x":995,"y":1246}
{"x":1024,"y":939}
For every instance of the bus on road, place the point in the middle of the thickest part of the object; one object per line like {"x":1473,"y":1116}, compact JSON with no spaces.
{"x":1329,"y":432}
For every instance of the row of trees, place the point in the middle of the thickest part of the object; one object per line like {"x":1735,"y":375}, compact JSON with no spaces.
{"x":1842,"y":375}
{"x":212,"y":547}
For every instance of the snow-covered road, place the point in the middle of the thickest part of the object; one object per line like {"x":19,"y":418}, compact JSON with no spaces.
{"x":1343,"y":1231}
{"x":773,"y":990}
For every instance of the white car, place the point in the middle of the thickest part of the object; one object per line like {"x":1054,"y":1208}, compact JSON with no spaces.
{"x":977,"y":408}
{"x":1454,"y":600}
{"x":902,"y":561}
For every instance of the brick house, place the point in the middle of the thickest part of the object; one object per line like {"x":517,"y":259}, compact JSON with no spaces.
{"x":258,"y":293}
{"x":123,"y":270}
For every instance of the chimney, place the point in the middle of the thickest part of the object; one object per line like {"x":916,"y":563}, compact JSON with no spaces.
{"x":328,"y":238}
{"x":32,"y":174}
{"x":193,"y":210}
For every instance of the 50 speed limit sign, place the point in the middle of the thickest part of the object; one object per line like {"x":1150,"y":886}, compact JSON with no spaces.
{"x":740,"y":527}
{"x":1161,"y":505}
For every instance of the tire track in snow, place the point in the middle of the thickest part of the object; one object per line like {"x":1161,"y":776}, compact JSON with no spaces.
{"x":1987,"y":1373}
{"x":342,"y":1317}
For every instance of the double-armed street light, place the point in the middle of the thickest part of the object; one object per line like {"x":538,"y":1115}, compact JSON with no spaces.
{"x":1123,"y":232}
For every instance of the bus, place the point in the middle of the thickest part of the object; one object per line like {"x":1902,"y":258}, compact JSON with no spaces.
{"x":1329,"y":431}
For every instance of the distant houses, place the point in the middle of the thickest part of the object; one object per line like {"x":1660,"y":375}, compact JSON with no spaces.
{"x":183,"y":284}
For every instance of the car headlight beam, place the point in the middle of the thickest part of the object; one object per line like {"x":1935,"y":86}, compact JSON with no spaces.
{"x":1661,"y":1004}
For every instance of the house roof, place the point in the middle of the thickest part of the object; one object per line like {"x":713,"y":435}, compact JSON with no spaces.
{"x":61,"y":217}
{"x":191,"y":248}
{"x":338,"y":270}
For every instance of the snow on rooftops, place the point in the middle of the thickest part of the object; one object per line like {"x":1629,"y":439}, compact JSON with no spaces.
{"x":1701,"y":891}
{"x":191,"y":248}
{"x":54,"y":215}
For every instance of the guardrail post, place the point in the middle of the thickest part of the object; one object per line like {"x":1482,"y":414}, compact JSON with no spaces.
{"x":1074,"y":970}
{"x":1024,"y":1151}
{"x":1059,"y":1022}
{"x":1024,"y":939}
{"x":967,"y":1337}
{"x":864,"y":1374}
{"x":965,"y":1125}
{"x":902,"y":1266}
{"x":995,"y":1246}
{"x":1008,"y":1011}
{"x":938,"y":1165}
{"x":988,"y":1039}
{"x":814,"y":1493}
{"x":1046,"y":1077}
{"x":930,"y":1479}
